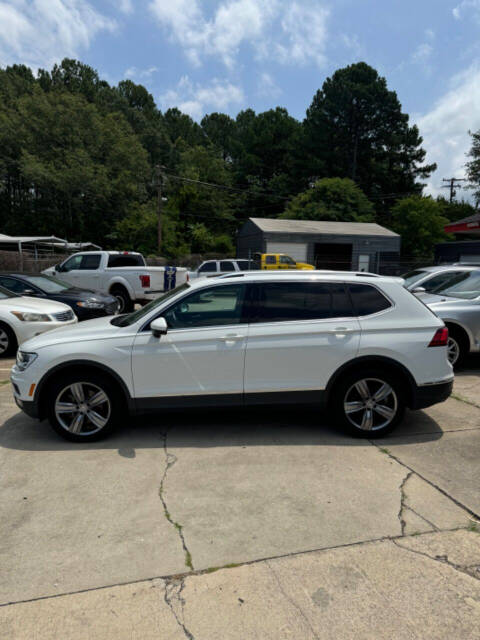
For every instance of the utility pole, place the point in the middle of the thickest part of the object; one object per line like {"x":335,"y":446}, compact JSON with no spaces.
{"x":159,"y":179}
{"x":451,"y":185}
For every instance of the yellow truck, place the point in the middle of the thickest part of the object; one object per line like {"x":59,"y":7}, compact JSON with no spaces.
{"x":280,"y":261}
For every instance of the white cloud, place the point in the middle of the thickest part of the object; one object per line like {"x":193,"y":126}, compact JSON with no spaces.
{"x":461,"y":9}
{"x":267,"y":87}
{"x":41,"y":32}
{"x":445,"y":128}
{"x":125,"y":6}
{"x":299,"y":29}
{"x":196,"y":100}
{"x":422,"y":53}
{"x":133,"y":72}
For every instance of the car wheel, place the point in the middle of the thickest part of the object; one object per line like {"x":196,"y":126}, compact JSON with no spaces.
{"x":125,"y":305}
{"x":8,"y":341}
{"x":457,"y":347}
{"x":84,"y":407}
{"x":369,"y":404}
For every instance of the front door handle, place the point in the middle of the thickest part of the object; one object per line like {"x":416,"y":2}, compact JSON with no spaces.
{"x":231,"y":337}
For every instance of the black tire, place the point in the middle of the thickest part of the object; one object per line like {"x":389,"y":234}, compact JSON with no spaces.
{"x":8,"y":341}
{"x":92,"y":383}
{"x":459,"y":341}
{"x":121,"y":294}
{"x":346,"y":391}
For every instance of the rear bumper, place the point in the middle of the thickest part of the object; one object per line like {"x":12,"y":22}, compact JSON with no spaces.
{"x":427,"y":395}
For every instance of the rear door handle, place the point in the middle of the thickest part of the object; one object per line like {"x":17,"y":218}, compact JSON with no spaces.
{"x":231,"y":337}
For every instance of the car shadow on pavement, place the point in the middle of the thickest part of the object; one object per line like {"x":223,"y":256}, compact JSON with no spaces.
{"x":241,"y":427}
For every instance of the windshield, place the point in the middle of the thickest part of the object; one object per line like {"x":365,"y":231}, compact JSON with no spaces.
{"x":48,"y":284}
{"x":463,"y":285}
{"x":6,"y":294}
{"x":413,"y":276}
{"x":131,"y":318}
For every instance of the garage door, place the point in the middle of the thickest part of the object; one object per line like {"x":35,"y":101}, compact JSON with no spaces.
{"x":296,"y":250}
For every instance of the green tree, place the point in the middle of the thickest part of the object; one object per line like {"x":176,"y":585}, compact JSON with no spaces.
{"x":473,"y":167}
{"x":338,"y":199}
{"x":355,"y":128}
{"x":420,"y":222}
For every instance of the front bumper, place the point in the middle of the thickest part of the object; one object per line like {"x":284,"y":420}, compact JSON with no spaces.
{"x":427,"y":395}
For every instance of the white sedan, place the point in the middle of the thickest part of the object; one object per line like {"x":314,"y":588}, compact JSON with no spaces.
{"x":22,"y":317}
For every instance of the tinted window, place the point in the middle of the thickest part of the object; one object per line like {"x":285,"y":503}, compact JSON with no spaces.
{"x":48,"y":284}
{"x":5,"y":293}
{"x":270,"y":260}
{"x":90,"y":262}
{"x":208,"y":266}
{"x":439,"y":281}
{"x":367,"y":300}
{"x":14,"y":285}
{"x":287,"y":260}
{"x":72,"y":263}
{"x":463,"y":285}
{"x":413,"y":276}
{"x":207,"y":308}
{"x":226,"y":265}
{"x":245,"y":265}
{"x":126,"y":261}
{"x":284,"y":301}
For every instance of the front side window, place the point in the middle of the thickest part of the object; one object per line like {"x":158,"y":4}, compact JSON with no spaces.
{"x":5,"y":293}
{"x":289,"y":301}
{"x":210,"y":307}
{"x":208,"y":266}
{"x":270,"y":260}
{"x":287,"y":260}
{"x":440,"y":280}
{"x":464,"y":285}
{"x":226,"y":265}
{"x":72,"y":264}
{"x":413,"y":276}
{"x":367,"y":299}
{"x":90,"y":262}
{"x":14,"y":285}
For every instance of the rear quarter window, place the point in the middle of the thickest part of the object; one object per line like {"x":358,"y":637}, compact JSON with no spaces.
{"x":367,"y":299}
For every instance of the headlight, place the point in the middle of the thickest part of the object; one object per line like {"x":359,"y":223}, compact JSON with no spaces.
{"x":91,"y":304}
{"x":25,"y":359}
{"x":31,"y":317}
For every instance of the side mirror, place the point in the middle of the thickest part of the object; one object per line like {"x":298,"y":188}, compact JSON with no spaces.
{"x":29,"y":292}
{"x":419,"y":290}
{"x":58,"y":267}
{"x":159,"y":327}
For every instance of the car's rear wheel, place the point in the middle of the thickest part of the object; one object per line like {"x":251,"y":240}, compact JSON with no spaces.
{"x":83,"y":407}
{"x":125,"y":305}
{"x":369,"y":404}
{"x":8,"y":341}
{"x":457,"y":346}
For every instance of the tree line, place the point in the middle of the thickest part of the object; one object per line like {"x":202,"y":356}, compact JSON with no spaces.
{"x":78,"y":159}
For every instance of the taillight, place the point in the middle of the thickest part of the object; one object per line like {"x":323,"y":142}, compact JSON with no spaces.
{"x":440,"y":338}
{"x":145,"y":281}
{"x":188,"y":277}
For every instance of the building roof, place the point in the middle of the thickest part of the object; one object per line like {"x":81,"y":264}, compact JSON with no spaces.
{"x":470,"y":224}
{"x":270,"y":225}
{"x":34,"y":239}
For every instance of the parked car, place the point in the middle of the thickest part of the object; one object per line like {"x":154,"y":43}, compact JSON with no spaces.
{"x":22,"y":318}
{"x":432,"y":279}
{"x":366,"y":348}
{"x":457,"y":303}
{"x":86,"y":304}
{"x":213,"y":268}
{"x":280,"y":261}
{"x":123,"y":274}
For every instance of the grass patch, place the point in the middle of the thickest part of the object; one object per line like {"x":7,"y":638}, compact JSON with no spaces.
{"x":3,"y":382}
{"x":385,"y":451}
{"x":188,"y":560}
{"x":473,"y":526}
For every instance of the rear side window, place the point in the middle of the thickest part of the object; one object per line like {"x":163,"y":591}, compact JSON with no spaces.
{"x":126,"y":261}
{"x":284,"y":301}
{"x":208,"y":266}
{"x":367,"y":299}
{"x":226,"y":265}
{"x":270,"y":260}
{"x":90,"y":262}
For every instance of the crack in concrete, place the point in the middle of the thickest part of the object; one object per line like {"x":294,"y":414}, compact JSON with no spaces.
{"x":292,"y":602}
{"x":432,"y":484}
{"x":460,"y":398}
{"x":403,"y":496}
{"x":170,"y":460}
{"x":442,"y":559}
{"x":430,"y":524}
{"x":174,"y":600}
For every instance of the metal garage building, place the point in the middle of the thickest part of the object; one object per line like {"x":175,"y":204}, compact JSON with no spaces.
{"x":325,"y":244}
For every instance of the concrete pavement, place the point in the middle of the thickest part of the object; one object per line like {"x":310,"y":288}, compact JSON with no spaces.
{"x":336,"y":537}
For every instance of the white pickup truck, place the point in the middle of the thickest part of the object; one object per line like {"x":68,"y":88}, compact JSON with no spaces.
{"x":123,"y":274}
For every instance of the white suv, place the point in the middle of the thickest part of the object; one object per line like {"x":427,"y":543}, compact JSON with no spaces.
{"x":364,"y":347}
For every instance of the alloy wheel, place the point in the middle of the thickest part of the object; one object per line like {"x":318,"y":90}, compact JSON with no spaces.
{"x":370,"y":404}
{"x":4,"y":341}
{"x":82,"y":408}
{"x":453,"y":350}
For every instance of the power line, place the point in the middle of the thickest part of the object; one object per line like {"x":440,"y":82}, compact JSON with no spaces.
{"x":451,"y":185}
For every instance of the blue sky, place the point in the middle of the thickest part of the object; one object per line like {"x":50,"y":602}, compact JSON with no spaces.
{"x":227,"y":55}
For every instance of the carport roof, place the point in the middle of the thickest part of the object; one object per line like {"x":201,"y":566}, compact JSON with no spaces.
{"x":322,"y":226}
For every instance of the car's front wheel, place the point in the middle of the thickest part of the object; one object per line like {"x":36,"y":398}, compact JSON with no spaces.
{"x":83,"y":407}
{"x":8,"y":341}
{"x":369,"y":404}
